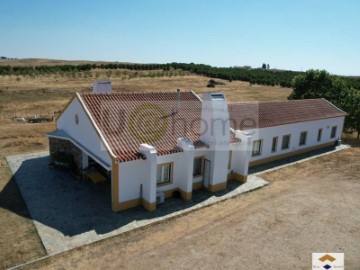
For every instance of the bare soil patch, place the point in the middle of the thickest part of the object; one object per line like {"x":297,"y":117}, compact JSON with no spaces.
{"x":310,"y":207}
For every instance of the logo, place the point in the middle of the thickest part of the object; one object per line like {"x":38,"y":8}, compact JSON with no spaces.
{"x":148,"y":123}
{"x":327,"y":261}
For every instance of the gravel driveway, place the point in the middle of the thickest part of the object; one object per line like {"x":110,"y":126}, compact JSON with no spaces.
{"x":69,"y":213}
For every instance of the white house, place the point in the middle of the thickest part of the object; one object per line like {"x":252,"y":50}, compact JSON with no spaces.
{"x":154,"y":144}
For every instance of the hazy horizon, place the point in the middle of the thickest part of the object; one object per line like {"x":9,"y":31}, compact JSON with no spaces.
{"x":285,"y":34}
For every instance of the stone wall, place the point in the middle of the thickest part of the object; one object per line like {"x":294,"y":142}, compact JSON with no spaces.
{"x":64,"y":146}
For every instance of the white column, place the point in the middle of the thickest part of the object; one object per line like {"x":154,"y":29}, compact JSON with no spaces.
{"x":149,"y":185}
{"x":242,"y":154}
{"x":186,"y":166}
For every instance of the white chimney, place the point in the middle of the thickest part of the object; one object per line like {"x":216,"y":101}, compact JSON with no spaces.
{"x":215,"y":126}
{"x":102,"y":86}
{"x":215,"y":131}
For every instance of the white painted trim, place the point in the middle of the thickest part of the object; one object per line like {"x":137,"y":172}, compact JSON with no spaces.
{"x":196,"y":95}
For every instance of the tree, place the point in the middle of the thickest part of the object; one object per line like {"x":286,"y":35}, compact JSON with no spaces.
{"x":351,"y":104}
{"x":319,"y":84}
{"x":263,"y":66}
{"x":268,"y":66}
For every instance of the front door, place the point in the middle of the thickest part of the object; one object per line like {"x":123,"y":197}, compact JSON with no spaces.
{"x":207,"y":166}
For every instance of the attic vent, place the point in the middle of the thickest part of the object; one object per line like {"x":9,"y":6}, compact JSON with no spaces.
{"x":219,"y":96}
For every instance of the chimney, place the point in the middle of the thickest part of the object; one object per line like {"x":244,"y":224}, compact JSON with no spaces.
{"x":102,"y":86}
{"x":215,"y":132}
{"x":215,"y":126}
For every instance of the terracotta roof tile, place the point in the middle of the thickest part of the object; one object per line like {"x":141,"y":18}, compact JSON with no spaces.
{"x":247,"y":115}
{"x":127,"y":120}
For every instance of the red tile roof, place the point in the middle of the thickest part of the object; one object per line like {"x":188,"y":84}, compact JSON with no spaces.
{"x":247,"y":115}
{"x":127,"y":120}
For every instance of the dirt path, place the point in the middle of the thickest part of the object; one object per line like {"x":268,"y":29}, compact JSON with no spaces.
{"x":309,"y":207}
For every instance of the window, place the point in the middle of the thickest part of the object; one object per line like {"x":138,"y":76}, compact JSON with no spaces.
{"x":164,"y":173}
{"x":198,"y":166}
{"x":333,"y":132}
{"x":256,"y":150}
{"x":303,"y":136}
{"x":217,"y":96}
{"x":285,"y":142}
{"x":319,"y":135}
{"x":274,"y":144}
{"x":229,"y":162}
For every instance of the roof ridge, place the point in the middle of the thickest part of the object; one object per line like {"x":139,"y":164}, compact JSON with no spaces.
{"x":196,"y":95}
{"x":335,"y":106}
{"x":140,"y":93}
{"x":94,"y":124}
{"x":271,"y":101}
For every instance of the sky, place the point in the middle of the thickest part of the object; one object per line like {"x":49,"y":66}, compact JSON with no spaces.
{"x":287,"y":34}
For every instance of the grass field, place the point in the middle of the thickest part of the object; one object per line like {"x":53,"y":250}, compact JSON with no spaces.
{"x":27,"y":96}
{"x":309,"y":207}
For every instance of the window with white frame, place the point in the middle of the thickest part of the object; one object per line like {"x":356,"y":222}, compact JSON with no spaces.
{"x":303,"y":137}
{"x":256,"y":150}
{"x":164,"y":173}
{"x":333,"y":132}
{"x":285,"y":142}
{"x":198,"y":166}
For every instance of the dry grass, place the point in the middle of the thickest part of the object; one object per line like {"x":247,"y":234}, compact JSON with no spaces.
{"x":27,"y":96}
{"x":45,"y":94}
{"x":19,"y":241}
{"x":44,"y":62}
{"x":351,"y":139}
{"x":310,"y":207}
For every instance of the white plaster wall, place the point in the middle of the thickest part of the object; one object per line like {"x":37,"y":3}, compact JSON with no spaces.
{"x":312,"y":127}
{"x":134,"y":173}
{"x":84,"y":132}
{"x":131,"y":175}
{"x":241,"y":153}
{"x":179,"y":176}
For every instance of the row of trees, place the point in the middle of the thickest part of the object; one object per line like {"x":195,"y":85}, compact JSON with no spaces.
{"x":253,"y":76}
{"x":320,"y":84}
{"x":26,"y":70}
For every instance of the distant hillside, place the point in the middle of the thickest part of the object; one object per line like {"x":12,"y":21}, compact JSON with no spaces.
{"x":253,"y":76}
{"x":45,"y":62}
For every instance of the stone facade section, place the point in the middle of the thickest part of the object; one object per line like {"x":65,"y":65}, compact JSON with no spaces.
{"x":63,"y":146}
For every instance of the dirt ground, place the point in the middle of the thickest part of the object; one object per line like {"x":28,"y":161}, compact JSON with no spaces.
{"x":45,"y":94}
{"x":310,"y":207}
{"x":173,"y":240}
